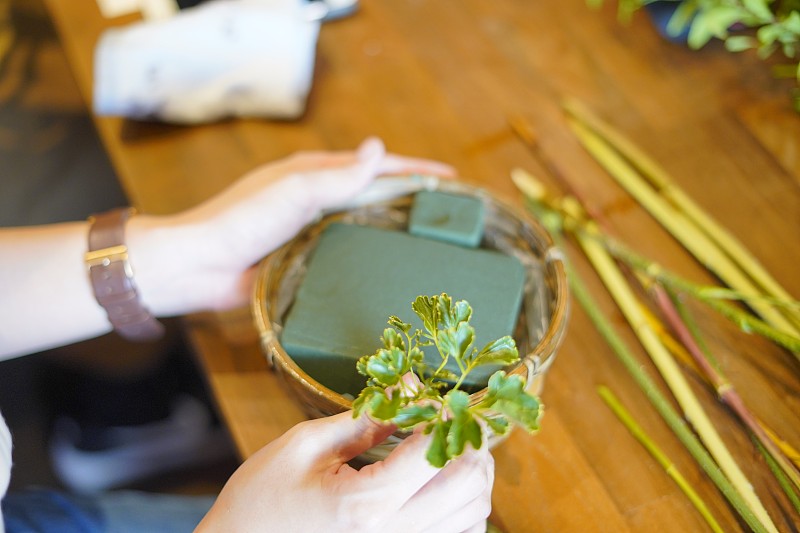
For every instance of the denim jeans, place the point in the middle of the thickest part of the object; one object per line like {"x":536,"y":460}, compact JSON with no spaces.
{"x":44,"y":510}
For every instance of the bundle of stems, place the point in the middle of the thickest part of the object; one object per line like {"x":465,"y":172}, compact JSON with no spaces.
{"x":695,"y":354}
{"x":577,"y":208}
{"x":616,"y":284}
{"x":572,"y":215}
{"x":662,"y":405}
{"x":707,"y":240}
{"x":575,"y":220}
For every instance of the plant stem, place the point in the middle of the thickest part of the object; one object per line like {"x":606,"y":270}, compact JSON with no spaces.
{"x":785,"y":484}
{"x":662,"y":459}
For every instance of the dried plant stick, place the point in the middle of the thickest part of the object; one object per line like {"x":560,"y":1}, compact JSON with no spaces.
{"x":666,"y":187}
{"x":674,"y":221}
{"x":669,"y":467}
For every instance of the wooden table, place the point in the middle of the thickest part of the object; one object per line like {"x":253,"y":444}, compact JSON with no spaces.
{"x":440,"y":79}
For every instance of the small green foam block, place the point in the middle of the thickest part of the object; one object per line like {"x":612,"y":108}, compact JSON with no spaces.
{"x":447,"y":217}
{"x":358,"y":276}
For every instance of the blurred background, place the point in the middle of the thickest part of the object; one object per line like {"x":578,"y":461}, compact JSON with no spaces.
{"x":50,"y":156}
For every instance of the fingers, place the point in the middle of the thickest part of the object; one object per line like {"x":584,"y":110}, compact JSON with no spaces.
{"x":402,"y":474}
{"x":368,"y":433}
{"x":334,"y":185}
{"x":458,"y":497}
{"x":390,"y":163}
{"x":339,"y":438}
{"x":395,"y":164}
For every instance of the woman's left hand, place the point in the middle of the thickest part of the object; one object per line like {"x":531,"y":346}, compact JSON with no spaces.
{"x":203,"y":258}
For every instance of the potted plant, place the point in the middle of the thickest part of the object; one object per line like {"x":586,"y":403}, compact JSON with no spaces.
{"x":766,"y":26}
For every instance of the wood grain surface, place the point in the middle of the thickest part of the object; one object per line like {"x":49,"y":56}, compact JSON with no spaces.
{"x":440,"y":80}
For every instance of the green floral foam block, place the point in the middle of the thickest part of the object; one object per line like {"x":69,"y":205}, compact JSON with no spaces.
{"x":358,"y":276}
{"x":447,"y":217}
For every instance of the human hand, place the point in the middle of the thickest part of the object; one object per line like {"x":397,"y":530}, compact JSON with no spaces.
{"x":302,"y":482}
{"x":203,"y":258}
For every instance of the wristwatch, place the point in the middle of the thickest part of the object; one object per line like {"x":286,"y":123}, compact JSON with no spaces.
{"x":111,"y":277}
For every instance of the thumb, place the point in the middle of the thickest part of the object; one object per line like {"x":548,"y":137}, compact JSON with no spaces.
{"x":345,"y":437}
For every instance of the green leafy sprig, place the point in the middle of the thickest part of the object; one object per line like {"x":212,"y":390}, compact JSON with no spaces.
{"x":403,"y":390}
{"x":767,"y":26}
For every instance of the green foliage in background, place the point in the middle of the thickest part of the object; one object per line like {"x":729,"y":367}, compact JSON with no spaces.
{"x":767,"y":26}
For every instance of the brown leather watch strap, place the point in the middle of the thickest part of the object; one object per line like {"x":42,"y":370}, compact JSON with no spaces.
{"x":112,"y":278}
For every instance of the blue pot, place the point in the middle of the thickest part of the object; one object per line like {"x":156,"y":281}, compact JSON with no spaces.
{"x":660,"y":13}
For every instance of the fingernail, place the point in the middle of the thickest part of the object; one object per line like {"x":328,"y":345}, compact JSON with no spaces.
{"x":370,"y":150}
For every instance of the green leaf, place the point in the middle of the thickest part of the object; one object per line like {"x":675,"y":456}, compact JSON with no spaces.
{"x":383,"y":407}
{"x":437,"y":451}
{"x":507,"y":396}
{"x":464,"y":428}
{"x":387,"y":366}
{"x":392,"y":339}
{"x":681,"y":18}
{"x":760,"y":9}
{"x":792,"y":22}
{"x":455,"y":341}
{"x":411,"y":415}
{"x":444,"y":310}
{"x":361,"y":403}
{"x":739,"y":43}
{"x":502,"y":351}
{"x":768,"y":34}
{"x":416,"y":357}
{"x":399,"y":324}
{"x":498,"y":424}
{"x":450,"y":314}
{"x":425,"y":308}
{"x":712,"y":22}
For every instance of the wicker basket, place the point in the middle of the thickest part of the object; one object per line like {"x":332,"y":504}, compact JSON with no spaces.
{"x":542,"y":319}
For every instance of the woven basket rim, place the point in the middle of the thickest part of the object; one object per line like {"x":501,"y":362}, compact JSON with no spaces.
{"x":535,"y":362}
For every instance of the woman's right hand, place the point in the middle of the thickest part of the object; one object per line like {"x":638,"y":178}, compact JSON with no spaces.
{"x":301,"y":482}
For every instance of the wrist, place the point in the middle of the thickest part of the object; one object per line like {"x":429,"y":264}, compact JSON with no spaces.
{"x":177,"y":266}
{"x":112,"y":279}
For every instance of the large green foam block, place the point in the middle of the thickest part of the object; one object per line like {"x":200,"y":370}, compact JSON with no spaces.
{"x":358,"y":276}
{"x":447,"y":217}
